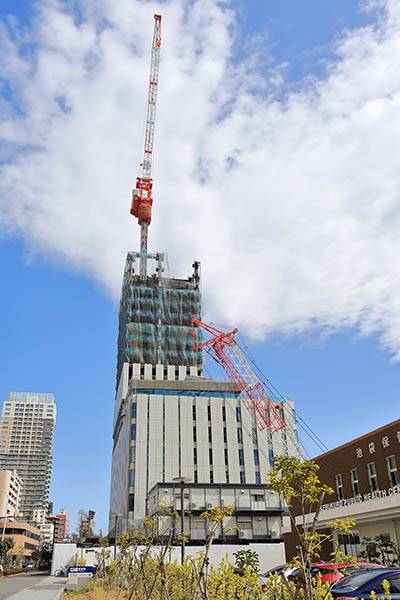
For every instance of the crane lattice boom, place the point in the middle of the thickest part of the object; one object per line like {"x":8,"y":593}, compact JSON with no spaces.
{"x":223,"y":348}
{"x":142,"y":200}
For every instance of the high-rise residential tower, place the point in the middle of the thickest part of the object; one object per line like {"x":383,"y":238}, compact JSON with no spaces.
{"x":26,"y":445}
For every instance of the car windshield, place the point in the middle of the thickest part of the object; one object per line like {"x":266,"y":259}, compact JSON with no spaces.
{"x":355,"y":581}
{"x":322,"y":570}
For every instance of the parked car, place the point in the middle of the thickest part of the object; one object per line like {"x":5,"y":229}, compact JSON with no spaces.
{"x":360,"y":585}
{"x":331,"y":572}
{"x":290,"y":572}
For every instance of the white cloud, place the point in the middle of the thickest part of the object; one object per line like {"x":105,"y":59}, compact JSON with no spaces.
{"x":292,"y":204}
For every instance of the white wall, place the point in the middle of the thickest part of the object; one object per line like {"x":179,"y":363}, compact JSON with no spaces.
{"x":270,"y":555}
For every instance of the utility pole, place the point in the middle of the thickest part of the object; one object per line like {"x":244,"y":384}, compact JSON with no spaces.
{"x":182,"y":481}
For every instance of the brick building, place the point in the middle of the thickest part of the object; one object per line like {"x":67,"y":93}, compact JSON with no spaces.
{"x":365,"y":476}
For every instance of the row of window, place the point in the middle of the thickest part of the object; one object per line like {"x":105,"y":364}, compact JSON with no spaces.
{"x":372,"y":478}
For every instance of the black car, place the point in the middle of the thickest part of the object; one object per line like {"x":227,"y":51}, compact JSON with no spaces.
{"x":363,"y":583}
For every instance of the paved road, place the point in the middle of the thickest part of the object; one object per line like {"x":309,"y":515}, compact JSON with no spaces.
{"x":31,"y":586}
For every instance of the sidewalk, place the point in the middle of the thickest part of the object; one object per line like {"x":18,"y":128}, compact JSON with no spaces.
{"x":50,"y":588}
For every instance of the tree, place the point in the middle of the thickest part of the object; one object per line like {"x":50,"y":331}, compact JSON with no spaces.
{"x":5,"y":546}
{"x":299,"y":485}
{"x":246,"y":559}
{"x":85,"y":523}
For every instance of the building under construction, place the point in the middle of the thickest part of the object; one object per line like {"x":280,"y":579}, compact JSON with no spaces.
{"x":169,"y":420}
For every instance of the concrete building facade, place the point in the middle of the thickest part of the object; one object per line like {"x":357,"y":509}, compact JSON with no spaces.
{"x":10,"y":496}
{"x":26,"y":445}
{"x":45,"y":524}
{"x":259,"y":515}
{"x":169,"y":420}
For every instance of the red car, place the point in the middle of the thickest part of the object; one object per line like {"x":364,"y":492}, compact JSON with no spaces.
{"x":331,"y":572}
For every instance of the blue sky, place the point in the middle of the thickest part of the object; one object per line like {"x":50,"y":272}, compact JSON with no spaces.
{"x":306,"y":271}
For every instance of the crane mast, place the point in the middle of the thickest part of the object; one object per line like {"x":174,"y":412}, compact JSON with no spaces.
{"x":142,"y":199}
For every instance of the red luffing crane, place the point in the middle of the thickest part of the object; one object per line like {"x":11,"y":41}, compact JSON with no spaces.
{"x":142,"y":195}
{"x":223,"y":348}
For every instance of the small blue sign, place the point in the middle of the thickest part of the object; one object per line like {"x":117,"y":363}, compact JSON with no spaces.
{"x":80,"y":570}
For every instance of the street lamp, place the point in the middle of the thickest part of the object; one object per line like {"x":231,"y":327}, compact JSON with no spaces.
{"x":5,"y":513}
{"x":116,"y":515}
{"x":182,"y":481}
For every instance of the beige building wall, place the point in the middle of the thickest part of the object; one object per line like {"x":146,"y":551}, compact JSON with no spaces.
{"x":10,"y":483}
{"x":26,"y":537}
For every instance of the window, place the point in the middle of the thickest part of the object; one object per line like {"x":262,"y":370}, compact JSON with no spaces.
{"x":339,"y":486}
{"x":372,"y":477}
{"x":131,"y":502}
{"x":194,"y":412}
{"x":210,"y":456}
{"x":239,"y":435}
{"x":256,"y":460}
{"x":195,"y":477}
{"x":354,"y":482}
{"x":133,"y":454}
{"x":133,"y":432}
{"x":209,"y":412}
{"x":258,"y":477}
{"x":242,"y":477}
{"x":254,"y":435}
{"x":223,"y":413}
{"x":225,"y":436}
{"x":132,"y":478}
{"x":209,"y":435}
{"x":211,"y":477}
{"x":194,"y":434}
{"x":271,"y":457}
{"x":392,"y":470}
{"x":238,"y":414}
{"x":227,"y":476}
{"x":134,"y":410}
{"x":226,"y":455}
{"x":241,"y":457}
{"x":195,"y":456}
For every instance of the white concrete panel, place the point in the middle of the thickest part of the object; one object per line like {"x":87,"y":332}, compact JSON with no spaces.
{"x":217,"y":440}
{"x":155,"y":440}
{"x":248,"y":449}
{"x":148,"y":371}
{"x":141,"y":455}
{"x":231,"y":426}
{"x":171,"y":438}
{"x":182,"y":373}
{"x":262,"y":444}
{"x":187,"y":445}
{"x":160,"y":372}
{"x":203,"y":464}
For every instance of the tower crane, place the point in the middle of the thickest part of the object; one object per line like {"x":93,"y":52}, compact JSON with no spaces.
{"x":142,"y":199}
{"x":255,"y":395}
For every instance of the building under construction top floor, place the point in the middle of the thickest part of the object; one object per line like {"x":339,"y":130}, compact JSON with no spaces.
{"x":155,"y":317}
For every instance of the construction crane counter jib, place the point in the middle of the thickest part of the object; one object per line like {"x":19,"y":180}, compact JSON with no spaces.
{"x":142,"y":199}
